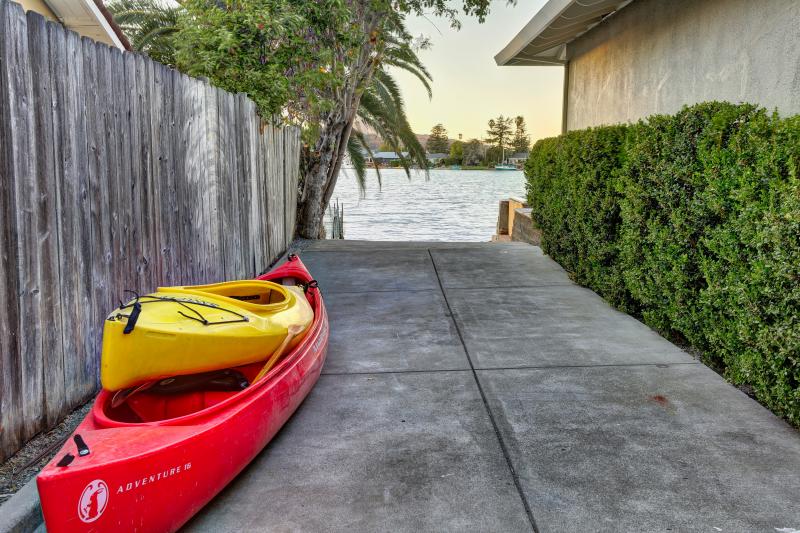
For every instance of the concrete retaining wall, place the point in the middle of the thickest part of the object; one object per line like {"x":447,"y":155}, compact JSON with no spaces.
{"x":508,"y":224}
{"x":655,"y":56}
{"x":524,"y":230}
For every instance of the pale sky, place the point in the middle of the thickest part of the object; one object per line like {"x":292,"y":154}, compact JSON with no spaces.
{"x":469,"y":89}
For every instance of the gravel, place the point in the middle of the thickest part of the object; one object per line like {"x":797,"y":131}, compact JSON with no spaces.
{"x":27,"y":462}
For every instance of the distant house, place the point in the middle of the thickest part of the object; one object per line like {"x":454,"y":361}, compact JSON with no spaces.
{"x":347,"y":161}
{"x":627,"y":59}
{"x":89,"y":18}
{"x":435,"y":159}
{"x":518,"y":158}
{"x":383,"y":158}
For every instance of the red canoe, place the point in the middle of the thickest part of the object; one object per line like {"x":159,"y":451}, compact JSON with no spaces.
{"x":153,"y":465}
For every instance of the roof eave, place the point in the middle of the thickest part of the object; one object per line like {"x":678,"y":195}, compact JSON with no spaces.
{"x":549,"y":12}
{"x":90,"y":13}
{"x":555,"y":25}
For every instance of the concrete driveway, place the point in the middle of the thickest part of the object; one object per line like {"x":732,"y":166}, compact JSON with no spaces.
{"x":474,"y":387}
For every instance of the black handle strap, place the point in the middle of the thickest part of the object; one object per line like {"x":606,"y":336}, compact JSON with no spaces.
{"x":133,"y":317}
{"x":83,"y":449}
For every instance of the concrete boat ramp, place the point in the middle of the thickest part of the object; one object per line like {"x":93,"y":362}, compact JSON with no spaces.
{"x":474,"y":387}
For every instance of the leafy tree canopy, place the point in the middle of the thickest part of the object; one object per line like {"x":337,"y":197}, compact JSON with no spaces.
{"x":280,"y":52}
{"x":457,"y":149}
{"x":521,"y":141}
{"x":499,"y":132}
{"x":493,"y":155}
{"x":438,"y":142}
{"x":472,"y":152}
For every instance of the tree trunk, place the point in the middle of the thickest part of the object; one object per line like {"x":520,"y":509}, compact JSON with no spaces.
{"x":325,"y":161}
{"x":316,"y":178}
{"x":322,"y":171}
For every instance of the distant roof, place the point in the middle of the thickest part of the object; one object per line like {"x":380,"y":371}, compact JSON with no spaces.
{"x":438,"y":156}
{"x":543,"y":40}
{"x":387,"y":155}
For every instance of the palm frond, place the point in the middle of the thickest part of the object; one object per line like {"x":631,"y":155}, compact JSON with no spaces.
{"x":382,"y":109}
{"x":421,"y":75}
{"x":150,"y":26}
{"x":358,"y":161}
{"x":361,"y":140}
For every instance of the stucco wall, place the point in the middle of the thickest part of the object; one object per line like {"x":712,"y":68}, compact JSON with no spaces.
{"x":655,"y":56}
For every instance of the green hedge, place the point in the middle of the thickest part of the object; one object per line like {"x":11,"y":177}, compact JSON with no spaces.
{"x":691,"y":222}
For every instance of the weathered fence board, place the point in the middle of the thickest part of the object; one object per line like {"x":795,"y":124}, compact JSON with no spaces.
{"x":28,"y":255}
{"x":75,"y":226}
{"x":275,"y":190}
{"x":291,"y":176}
{"x":8,"y":289}
{"x":56,"y":373}
{"x":11,"y":33}
{"x":47,"y":229}
{"x":118,"y":173}
{"x":94,"y":64}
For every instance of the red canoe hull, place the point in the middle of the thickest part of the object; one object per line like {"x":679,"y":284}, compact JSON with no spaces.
{"x":155,"y":476}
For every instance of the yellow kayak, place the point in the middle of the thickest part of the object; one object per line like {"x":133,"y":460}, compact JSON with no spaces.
{"x":187,"y":330}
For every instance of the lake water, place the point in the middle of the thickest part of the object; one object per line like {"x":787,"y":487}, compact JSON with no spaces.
{"x":452,"y":205}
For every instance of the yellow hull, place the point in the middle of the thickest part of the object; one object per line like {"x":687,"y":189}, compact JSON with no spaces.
{"x":186,"y":330}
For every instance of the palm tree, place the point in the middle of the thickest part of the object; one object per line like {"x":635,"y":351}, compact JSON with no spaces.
{"x":149,"y":25}
{"x":382,"y":110}
{"x":152,"y":24}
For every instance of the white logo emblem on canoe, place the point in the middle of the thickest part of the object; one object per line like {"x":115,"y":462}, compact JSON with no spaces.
{"x":93,"y":501}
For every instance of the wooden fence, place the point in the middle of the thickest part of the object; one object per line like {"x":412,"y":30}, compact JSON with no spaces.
{"x":116,"y":173}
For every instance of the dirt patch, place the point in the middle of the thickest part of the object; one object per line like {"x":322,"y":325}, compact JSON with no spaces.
{"x":26,"y":463}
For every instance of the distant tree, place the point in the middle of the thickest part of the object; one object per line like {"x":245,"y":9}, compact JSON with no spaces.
{"x":499,"y":132}
{"x":438,"y":142}
{"x":493,"y":155}
{"x":472,"y":153}
{"x":457,"y":150}
{"x":385,"y":147}
{"x":521,"y":141}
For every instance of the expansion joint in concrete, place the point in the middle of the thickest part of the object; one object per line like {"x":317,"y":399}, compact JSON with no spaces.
{"x":593,"y":365}
{"x":371,"y":290}
{"x":515,"y":287}
{"x":379,"y":372}
{"x":500,"y":368}
{"x":499,"y":437}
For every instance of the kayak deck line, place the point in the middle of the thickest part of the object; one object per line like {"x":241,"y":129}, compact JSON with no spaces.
{"x":184,"y":302}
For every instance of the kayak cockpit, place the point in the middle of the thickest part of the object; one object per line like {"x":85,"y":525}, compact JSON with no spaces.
{"x":255,"y":294}
{"x":156,"y":406}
